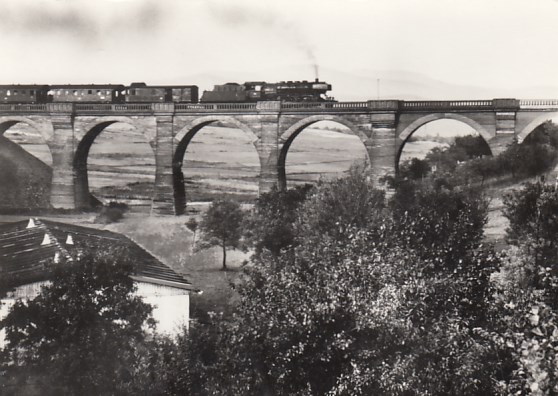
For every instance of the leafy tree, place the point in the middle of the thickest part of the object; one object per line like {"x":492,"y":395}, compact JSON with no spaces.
{"x":363,"y":317}
{"x":80,"y":334}
{"x":192,"y":224}
{"x":445,"y":160}
{"x":533,"y":221}
{"x":222,"y":226}
{"x":438,"y":220}
{"x":525,"y":322}
{"x":546,"y":134}
{"x":474,"y":146}
{"x":527,"y":295}
{"x":414,"y":169}
{"x":339,"y":205}
{"x":270,"y":225}
{"x":482,"y":167}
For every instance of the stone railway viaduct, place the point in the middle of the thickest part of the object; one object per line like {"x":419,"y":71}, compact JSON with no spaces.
{"x":382,"y":125}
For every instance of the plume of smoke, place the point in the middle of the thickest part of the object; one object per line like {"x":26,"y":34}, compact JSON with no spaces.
{"x":237,"y":16}
{"x":313,"y":60}
{"x":82,"y":22}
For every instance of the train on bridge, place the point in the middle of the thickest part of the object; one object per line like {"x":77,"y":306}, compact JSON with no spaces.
{"x":139,"y":92}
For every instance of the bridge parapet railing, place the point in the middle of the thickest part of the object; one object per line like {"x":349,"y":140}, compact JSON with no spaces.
{"x":447,"y":105}
{"x":195,"y":107}
{"x":538,"y":103}
{"x":113,"y":107}
{"x":321,"y":106}
{"x":23,"y":108}
{"x":392,"y":105}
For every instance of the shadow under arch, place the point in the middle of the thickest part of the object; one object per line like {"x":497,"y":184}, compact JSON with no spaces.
{"x":83,"y":198}
{"x":27,"y":177}
{"x":292,"y":132}
{"x":184,"y":138}
{"x":530,"y":128}
{"x":415,"y":125}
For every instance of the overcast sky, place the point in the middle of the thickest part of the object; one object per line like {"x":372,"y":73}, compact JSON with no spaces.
{"x":482,"y":43}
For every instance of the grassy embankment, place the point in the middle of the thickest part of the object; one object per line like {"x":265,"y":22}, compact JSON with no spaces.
{"x":168,"y":239}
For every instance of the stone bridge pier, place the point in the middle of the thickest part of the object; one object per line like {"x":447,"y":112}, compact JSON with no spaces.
{"x":383,"y":127}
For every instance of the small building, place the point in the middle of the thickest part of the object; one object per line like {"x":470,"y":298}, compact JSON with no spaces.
{"x":28,"y":248}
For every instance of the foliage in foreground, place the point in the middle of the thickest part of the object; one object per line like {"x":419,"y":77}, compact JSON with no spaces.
{"x":356,"y":305}
{"x":533,"y":216}
{"x":80,"y":334}
{"x":403,"y":299}
{"x":271,"y":224}
{"x":411,"y":303}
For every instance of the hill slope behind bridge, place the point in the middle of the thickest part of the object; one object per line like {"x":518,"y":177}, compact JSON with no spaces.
{"x":24,"y":179}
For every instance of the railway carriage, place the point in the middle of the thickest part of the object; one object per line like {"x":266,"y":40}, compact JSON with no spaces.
{"x":91,"y":93}
{"x":24,"y":93}
{"x":142,"y":93}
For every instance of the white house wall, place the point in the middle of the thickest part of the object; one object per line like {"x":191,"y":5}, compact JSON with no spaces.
{"x":171,"y":306}
{"x":25,"y":292}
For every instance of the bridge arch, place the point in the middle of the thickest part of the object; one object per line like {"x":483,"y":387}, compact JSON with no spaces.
{"x":299,"y":126}
{"x":44,"y":128}
{"x":94,"y":128}
{"x":522,"y":135}
{"x":92,"y":131}
{"x":185,"y":136}
{"x":415,"y":125}
{"x":288,"y":137}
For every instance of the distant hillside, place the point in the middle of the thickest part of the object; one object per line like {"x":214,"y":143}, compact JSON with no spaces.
{"x":24,"y":180}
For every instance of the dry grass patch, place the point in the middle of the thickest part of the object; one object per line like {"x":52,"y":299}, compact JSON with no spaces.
{"x":168,"y":239}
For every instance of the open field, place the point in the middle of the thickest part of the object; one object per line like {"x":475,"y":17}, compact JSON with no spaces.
{"x":219,"y":160}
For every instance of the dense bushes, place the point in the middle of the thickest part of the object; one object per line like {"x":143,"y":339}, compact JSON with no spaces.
{"x":468,"y":159}
{"x":112,"y":212}
{"x":365,"y":298}
{"x":406,"y":302}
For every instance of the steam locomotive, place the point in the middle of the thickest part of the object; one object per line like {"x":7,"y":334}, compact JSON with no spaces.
{"x":140,"y":92}
{"x":253,"y":91}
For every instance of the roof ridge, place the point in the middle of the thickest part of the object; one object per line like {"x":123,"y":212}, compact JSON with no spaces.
{"x":21,"y":250}
{"x":55,"y":241}
{"x":156,"y":257}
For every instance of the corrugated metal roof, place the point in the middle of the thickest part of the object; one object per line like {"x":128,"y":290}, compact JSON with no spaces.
{"x":25,"y":252}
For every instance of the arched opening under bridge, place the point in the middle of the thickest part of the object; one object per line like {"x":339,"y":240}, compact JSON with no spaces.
{"x":215,"y":158}
{"x":321,"y":149}
{"x":114,"y":162}
{"x":443,"y":148}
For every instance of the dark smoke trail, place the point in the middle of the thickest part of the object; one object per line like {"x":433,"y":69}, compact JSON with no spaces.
{"x":313,"y":61}
{"x":237,"y":16}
